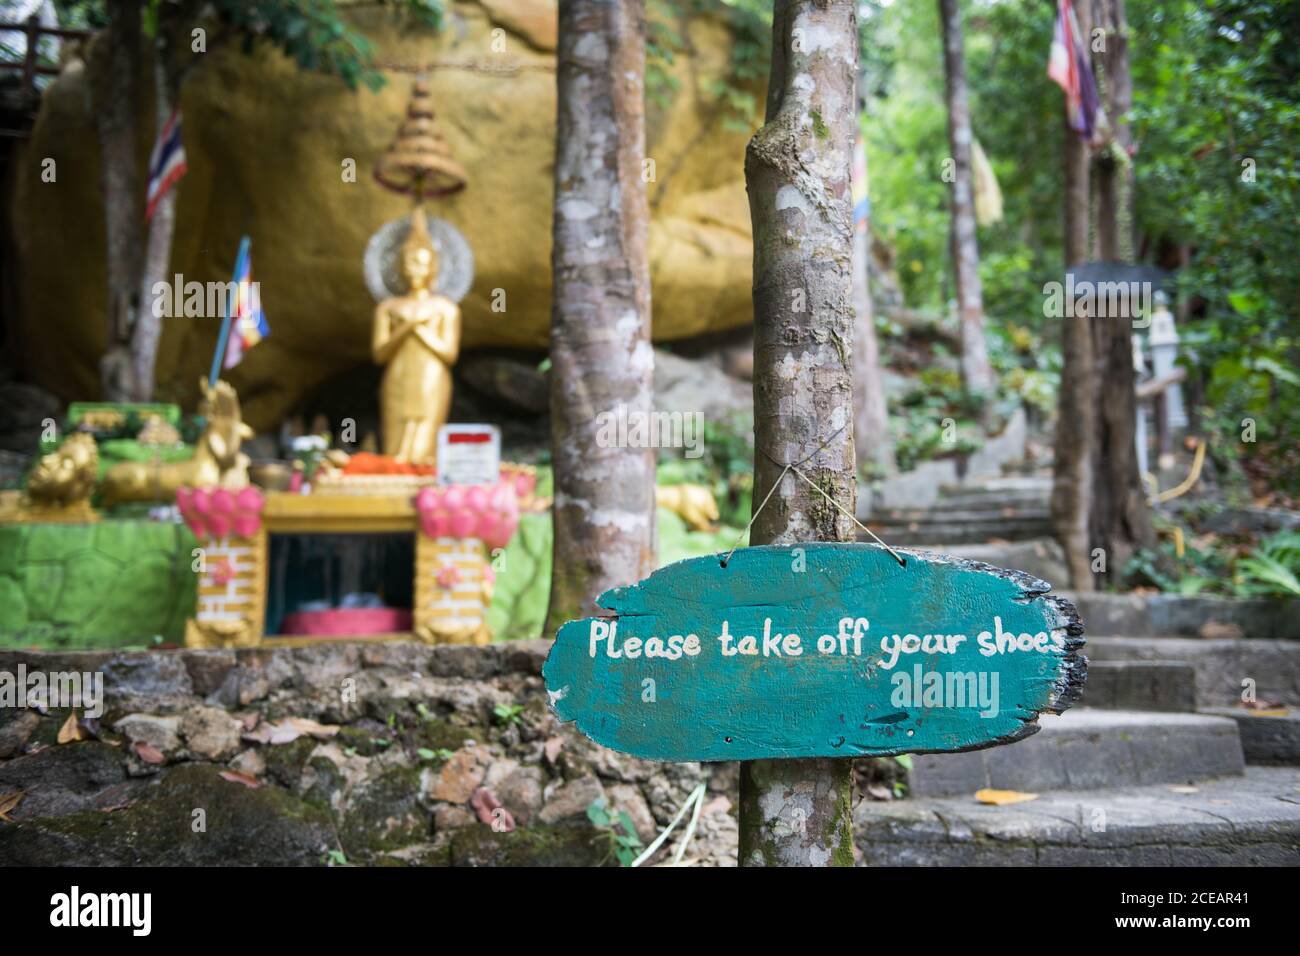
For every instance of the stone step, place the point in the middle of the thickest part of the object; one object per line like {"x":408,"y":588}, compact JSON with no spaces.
{"x":1089,"y":749}
{"x":1013,"y":488}
{"x":1037,"y":556}
{"x":1252,"y":820}
{"x":1167,"y":686}
{"x":1225,"y":669}
{"x":937,"y":533}
{"x":1267,"y":737}
{"x":1154,"y":615}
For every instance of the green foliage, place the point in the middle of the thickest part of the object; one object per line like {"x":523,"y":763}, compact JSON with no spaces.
{"x":616,"y":830}
{"x":1208,"y":565}
{"x":1274,"y":568}
{"x":508,"y":714}
{"x":1215,"y":106}
{"x":314,"y":34}
{"x":934,"y":418}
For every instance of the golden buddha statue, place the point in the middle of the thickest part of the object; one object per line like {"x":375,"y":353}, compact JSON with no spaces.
{"x":417,"y":336}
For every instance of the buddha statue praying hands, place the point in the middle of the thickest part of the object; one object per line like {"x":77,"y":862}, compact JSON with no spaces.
{"x":417,"y":336}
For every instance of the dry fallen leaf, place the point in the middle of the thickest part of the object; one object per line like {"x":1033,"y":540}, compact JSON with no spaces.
{"x":290,"y":729}
{"x":8,"y":802}
{"x":553,"y":747}
{"x":238,"y":776}
{"x":112,"y":808}
{"x":1001,"y":798}
{"x":1184,"y":788}
{"x":71,"y":730}
{"x":148,"y":752}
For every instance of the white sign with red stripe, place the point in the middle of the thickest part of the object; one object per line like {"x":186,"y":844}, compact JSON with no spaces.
{"x":469,"y":454}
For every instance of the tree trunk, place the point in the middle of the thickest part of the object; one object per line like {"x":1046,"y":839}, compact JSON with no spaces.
{"x":602,"y":363}
{"x":1072,"y":480}
{"x":875,"y":450}
{"x":1119,"y":521}
{"x":976,"y":372}
{"x":158,"y":248}
{"x":115,"y":121}
{"x":797,"y":169}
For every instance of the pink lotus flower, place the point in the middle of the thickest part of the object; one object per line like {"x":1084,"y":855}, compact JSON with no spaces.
{"x":201,"y":501}
{"x":250,"y":499}
{"x":197,"y":526}
{"x":219,"y":525}
{"x":247,"y":524}
{"x":223,"y":502}
{"x":476,"y":498}
{"x":449,"y":577}
{"x":463,"y":523}
{"x":453,"y":497}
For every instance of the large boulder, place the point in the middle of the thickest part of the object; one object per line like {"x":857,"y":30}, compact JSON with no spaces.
{"x":267,"y":146}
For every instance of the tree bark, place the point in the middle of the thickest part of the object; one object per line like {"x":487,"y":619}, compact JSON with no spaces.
{"x":158,"y":247}
{"x":1072,"y":479}
{"x":797,"y":169}
{"x":115,"y":123}
{"x":1119,"y":521}
{"x":601,"y":355}
{"x":977,"y":373}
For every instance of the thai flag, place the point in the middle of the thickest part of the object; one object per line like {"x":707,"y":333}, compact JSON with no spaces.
{"x":166,"y":164}
{"x":248,"y":321}
{"x":1069,"y":67}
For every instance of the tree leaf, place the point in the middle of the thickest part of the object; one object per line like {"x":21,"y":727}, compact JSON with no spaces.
{"x":238,"y":776}
{"x":1002,"y":798}
{"x":9,"y":802}
{"x":71,"y":730}
{"x":148,"y":753}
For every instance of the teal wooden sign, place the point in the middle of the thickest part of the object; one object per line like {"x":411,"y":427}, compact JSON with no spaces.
{"x":817,"y":650}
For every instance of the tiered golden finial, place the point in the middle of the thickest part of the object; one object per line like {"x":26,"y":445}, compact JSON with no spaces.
{"x":419,"y":162}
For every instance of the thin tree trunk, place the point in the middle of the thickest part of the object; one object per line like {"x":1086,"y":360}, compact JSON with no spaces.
{"x":977,"y":373}
{"x":797,"y":169}
{"x":1119,"y":521}
{"x":115,"y":120}
{"x":875,"y":450}
{"x":158,"y":248}
{"x":1072,"y":481}
{"x":600,"y":321}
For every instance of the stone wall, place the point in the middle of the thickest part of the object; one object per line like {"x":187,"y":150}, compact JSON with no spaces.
{"x":388,"y":754}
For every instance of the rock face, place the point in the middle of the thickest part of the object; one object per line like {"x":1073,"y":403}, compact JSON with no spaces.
{"x":270,"y":149}
{"x":374,"y":755}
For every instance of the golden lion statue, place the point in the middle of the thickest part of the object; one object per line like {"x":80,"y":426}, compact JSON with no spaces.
{"x":66,"y":476}
{"x":694,"y":504}
{"x":217,"y":459}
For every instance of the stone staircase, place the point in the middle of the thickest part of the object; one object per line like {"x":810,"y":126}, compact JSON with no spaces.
{"x":1159,"y":765}
{"x":1012,"y":509}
